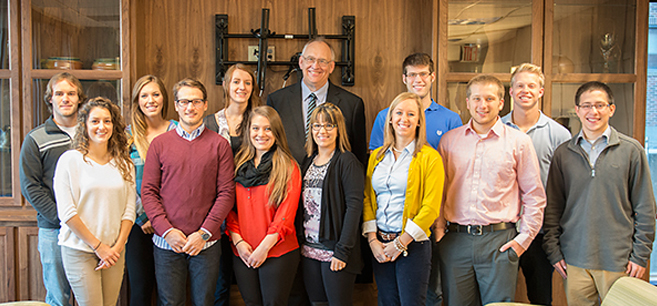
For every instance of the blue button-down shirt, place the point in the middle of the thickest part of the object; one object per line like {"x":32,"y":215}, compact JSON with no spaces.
{"x":389,"y":182}
{"x":594,"y":148}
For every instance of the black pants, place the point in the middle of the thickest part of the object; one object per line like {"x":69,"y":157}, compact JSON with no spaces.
{"x":222,"y":293}
{"x":269,"y":284}
{"x":140,"y":266}
{"x":538,"y":273}
{"x":324,"y":285}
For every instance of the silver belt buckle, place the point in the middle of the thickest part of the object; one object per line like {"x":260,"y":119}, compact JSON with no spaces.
{"x":478,"y":230}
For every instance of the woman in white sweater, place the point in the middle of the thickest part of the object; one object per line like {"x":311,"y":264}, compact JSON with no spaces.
{"x":95,"y":194}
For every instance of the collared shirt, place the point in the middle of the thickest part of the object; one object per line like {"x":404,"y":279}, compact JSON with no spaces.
{"x":546,"y":136}
{"x":321,"y":94}
{"x":439,"y":120}
{"x":160,"y":242}
{"x":190,"y":136}
{"x":594,"y":148}
{"x":389,"y":182}
{"x":492,"y":179}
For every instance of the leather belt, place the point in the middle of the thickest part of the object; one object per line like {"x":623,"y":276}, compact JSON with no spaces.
{"x":478,"y":230}
{"x":385,"y":236}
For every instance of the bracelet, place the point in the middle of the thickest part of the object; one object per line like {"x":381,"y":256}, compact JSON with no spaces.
{"x":400,"y":247}
{"x":241,"y":240}
{"x":99,"y":243}
{"x":370,"y":241}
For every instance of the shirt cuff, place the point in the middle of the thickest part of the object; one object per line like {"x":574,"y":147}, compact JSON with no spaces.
{"x":205,"y":230}
{"x":523,"y":240}
{"x":166,"y":232}
{"x":415,"y":231}
{"x":369,"y":227}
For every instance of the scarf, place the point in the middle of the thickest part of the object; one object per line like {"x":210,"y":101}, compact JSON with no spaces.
{"x":249,"y":175}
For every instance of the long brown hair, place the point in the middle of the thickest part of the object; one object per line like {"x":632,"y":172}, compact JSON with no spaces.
{"x":117,"y":146}
{"x":254,"y":100}
{"x":282,"y":161}
{"x":139,"y":125}
{"x":329,"y":113}
{"x":389,"y":136}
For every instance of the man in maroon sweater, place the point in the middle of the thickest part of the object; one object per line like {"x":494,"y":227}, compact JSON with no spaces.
{"x":187,"y":191}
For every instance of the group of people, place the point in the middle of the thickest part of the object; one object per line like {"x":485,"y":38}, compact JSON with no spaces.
{"x":284,"y":197}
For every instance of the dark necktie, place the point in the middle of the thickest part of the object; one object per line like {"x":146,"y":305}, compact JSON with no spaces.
{"x":311,"y":107}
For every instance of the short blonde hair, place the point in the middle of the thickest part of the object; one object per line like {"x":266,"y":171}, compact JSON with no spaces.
{"x":529,"y":68}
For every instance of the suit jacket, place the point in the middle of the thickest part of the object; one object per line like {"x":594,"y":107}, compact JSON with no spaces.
{"x":287,"y":102}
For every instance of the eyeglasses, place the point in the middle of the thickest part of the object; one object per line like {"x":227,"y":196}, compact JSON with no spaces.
{"x":599,"y":106}
{"x":412,"y":75}
{"x":328,"y":126}
{"x":311,"y":60}
{"x":195,"y":102}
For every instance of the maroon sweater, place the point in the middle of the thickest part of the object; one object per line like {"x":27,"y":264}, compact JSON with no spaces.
{"x":188,"y":185}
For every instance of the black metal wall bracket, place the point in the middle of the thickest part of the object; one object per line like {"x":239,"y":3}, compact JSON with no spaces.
{"x":264,"y":34}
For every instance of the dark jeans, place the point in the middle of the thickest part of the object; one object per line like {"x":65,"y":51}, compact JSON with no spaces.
{"x":269,"y":284}
{"x":171,"y":270}
{"x":538,"y":273}
{"x":474,"y":271}
{"x":324,"y":285}
{"x":405,"y":280}
{"x":222,"y":292}
{"x":140,"y":266}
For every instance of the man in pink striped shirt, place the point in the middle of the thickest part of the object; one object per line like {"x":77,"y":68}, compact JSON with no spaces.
{"x":493,"y":203}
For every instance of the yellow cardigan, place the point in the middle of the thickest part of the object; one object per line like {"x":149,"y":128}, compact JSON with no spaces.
{"x":424,"y":189}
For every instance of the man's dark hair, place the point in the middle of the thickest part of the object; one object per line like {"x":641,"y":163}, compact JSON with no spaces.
{"x":594,"y":85}
{"x":418,"y":59}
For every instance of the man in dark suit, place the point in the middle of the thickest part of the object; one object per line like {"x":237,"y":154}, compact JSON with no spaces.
{"x":295,"y":102}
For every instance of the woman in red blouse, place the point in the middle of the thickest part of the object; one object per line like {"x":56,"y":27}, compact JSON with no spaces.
{"x":267,"y":195}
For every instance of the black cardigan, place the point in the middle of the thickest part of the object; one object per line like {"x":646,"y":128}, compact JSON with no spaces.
{"x":341,"y":208}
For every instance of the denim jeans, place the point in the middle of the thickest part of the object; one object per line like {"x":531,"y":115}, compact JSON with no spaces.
{"x":58,"y":290}
{"x":405,"y":280}
{"x":171,"y":270}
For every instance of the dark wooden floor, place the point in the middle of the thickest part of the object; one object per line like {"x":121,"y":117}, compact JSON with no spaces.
{"x":364,"y":295}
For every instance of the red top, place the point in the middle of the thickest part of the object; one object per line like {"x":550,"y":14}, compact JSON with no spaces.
{"x":257,"y":219}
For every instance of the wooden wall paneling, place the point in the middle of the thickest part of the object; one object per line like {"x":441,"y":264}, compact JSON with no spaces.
{"x":126,"y":66}
{"x":26,"y":53}
{"x":30,"y":277}
{"x":7,"y":264}
{"x":173,"y":42}
{"x":443,"y":66}
{"x":548,"y":17}
{"x":641,"y":70}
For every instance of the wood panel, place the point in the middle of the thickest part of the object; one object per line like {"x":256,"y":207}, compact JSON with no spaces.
{"x":175,"y":39}
{"x":30,"y":282}
{"x":7,"y":264}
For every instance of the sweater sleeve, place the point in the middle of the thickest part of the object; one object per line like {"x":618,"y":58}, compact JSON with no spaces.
{"x":131,"y":196}
{"x":353,"y":181}
{"x":556,"y":203}
{"x":31,"y":179}
{"x":150,"y":189}
{"x":369,"y":200}
{"x":66,"y":184}
{"x":433,"y":180}
{"x":643,"y":206}
{"x":225,"y":190}
{"x":283,"y":221}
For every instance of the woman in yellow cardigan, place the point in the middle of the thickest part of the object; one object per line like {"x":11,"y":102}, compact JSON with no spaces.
{"x":403,"y":192}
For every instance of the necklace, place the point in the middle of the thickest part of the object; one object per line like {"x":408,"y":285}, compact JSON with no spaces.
{"x":395,"y":149}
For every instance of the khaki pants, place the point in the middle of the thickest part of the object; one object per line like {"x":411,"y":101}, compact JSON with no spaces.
{"x":584,"y":285}
{"x":92,"y":288}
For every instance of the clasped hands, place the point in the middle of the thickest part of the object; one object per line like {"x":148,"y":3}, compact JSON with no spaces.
{"x":191,"y":245}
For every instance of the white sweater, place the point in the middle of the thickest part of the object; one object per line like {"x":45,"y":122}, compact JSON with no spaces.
{"x":98,"y":194}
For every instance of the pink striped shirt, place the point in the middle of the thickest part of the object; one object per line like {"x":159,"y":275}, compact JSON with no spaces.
{"x":489,"y":179}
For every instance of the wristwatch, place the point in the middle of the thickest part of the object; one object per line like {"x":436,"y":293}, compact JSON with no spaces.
{"x":204,"y":235}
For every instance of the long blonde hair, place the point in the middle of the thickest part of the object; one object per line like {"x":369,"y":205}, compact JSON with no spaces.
{"x":139,"y":125}
{"x":282,"y":161}
{"x":389,"y":137}
{"x":333,"y":115}
{"x":117,"y":145}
